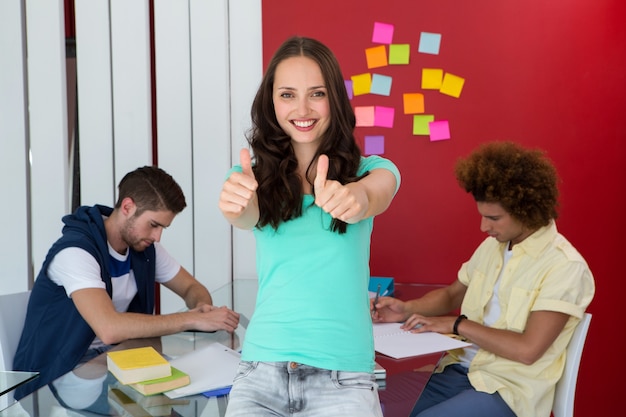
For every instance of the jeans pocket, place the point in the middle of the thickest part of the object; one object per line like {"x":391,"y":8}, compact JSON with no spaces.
{"x":360,"y":380}
{"x":244,"y":369}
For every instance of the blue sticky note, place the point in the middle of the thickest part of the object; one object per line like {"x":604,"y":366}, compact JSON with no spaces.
{"x":381,"y":85}
{"x":429,"y":43}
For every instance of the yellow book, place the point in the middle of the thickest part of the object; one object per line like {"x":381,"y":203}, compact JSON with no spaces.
{"x":138,"y":364}
{"x":156,"y":386}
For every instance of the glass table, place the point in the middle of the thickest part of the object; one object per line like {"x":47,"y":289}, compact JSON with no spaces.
{"x":90,"y":390}
{"x":9,"y":380}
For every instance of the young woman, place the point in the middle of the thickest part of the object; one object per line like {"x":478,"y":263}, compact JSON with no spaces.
{"x":310,"y":198}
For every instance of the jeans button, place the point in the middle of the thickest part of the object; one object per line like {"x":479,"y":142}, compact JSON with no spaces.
{"x":293,"y":365}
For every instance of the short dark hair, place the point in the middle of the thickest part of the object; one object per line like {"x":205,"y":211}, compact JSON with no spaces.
{"x":152,"y":189}
{"x":523,"y":181}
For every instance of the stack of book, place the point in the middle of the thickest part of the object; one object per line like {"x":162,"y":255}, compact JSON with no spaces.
{"x":145,"y":370}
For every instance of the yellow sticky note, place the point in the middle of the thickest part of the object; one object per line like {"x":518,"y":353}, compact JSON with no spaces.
{"x":420,"y":124}
{"x":399,"y":54}
{"x":431,"y":78}
{"x":376,"y":56}
{"x":452,"y":85}
{"x":413,"y":103}
{"x":361,"y":84}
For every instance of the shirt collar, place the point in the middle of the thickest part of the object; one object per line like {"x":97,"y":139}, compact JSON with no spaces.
{"x":535,"y":243}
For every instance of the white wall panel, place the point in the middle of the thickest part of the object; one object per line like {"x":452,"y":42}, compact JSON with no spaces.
{"x":95,"y":130}
{"x":132,"y":108}
{"x":246,"y":53}
{"x":210,"y":68}
{"x":47,"y":102}
{"x":173,"y":99}
{"x":15,"y":244}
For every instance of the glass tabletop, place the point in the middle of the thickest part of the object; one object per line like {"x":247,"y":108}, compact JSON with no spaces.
{"x":9,"y":380}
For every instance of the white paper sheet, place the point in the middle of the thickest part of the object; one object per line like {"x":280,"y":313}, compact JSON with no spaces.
{"x":391,"y":340}
{"x":211,"y":367}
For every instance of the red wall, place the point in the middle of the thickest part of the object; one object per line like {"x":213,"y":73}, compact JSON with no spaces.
{"x":547,"y":74}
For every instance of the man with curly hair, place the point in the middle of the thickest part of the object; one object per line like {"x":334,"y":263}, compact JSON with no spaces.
{"x":520,"y":295}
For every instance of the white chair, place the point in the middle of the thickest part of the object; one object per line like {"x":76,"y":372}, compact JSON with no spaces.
{"x":12,"y":316}
{"x":566,"y":387}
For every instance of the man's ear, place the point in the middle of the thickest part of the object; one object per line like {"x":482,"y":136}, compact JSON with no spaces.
{"x":128,"y":207}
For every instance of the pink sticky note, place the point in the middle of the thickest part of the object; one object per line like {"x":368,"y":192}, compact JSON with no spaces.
{"x":383,"y":33}
{"x":364,"y":115}
{"x":439,"y":130}
{"x":374,"y":145}
{"x":384,"y":116}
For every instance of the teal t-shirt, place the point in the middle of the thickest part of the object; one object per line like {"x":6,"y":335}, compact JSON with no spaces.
{"x":312,"y":304}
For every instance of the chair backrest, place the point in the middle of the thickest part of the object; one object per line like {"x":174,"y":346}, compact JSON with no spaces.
{"x":12,"y":316}
{"x":566,"y":387}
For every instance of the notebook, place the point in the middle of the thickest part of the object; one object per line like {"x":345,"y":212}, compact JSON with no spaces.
{"x":391,"y":340}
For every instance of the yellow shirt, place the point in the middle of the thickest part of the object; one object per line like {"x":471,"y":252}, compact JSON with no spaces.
{"x":545,"y":272}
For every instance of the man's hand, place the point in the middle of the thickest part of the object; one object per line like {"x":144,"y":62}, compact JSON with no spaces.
{"x":210,"y":318}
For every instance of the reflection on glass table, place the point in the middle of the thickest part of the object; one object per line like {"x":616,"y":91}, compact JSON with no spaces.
{"x":9,"y":380}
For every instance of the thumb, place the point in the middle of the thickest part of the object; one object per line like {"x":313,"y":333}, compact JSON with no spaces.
{"x":246,"y":162}
{"x":322,"y":173}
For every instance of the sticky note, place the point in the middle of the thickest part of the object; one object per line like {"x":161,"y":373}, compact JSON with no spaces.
{"x":399,"y":54}
{"x":429,"y":43}
{"x":381,"y":85}
{"x":420,"y":124}
{"x":431,"y":78}
{"x":383,"y":33}
{"x":376,"y":56}
{"x":348,"y":84}
{"x":361,"y":84}
{"x":452,"y":85}
{"x":364,"y":115}
{"x":439,"y":130}
{"x":413,"y":103}
{"x":374,"y":145}
{"x":383,"y":116}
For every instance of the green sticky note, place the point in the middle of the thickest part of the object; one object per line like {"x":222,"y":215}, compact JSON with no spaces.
{"x":399,"y":54}
{"x":420,"y":124}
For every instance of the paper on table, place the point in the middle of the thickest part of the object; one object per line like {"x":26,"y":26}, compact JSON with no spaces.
{"x":209,"y":368}
{"x":391,"y":340}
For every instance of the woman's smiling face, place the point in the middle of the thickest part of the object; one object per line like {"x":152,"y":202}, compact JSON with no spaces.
{"x":301,"y":100}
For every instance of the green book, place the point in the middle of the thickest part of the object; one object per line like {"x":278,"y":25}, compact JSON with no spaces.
{"x":156,"y":386}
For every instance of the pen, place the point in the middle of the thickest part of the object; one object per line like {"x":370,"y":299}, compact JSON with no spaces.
{"x":376,"y":298}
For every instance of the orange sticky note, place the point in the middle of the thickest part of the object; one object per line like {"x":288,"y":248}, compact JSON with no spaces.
{"x":361,"y":84}
{"x":376,"y":56}
{"x":413,"y":103}
{"x":431,"y":78}
{"x":452,"y":85}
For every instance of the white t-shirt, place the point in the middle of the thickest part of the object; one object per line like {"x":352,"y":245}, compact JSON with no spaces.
{"x":75,"y":269}
{"x":492,"y":313}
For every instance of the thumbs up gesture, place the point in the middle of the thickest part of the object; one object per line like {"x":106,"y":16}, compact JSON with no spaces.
{"x":238,"y":201}
{"x":348,"y":202}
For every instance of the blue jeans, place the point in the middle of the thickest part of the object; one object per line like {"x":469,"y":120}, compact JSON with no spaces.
{"x":450,"y":393}
{"x":289,"y":388}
